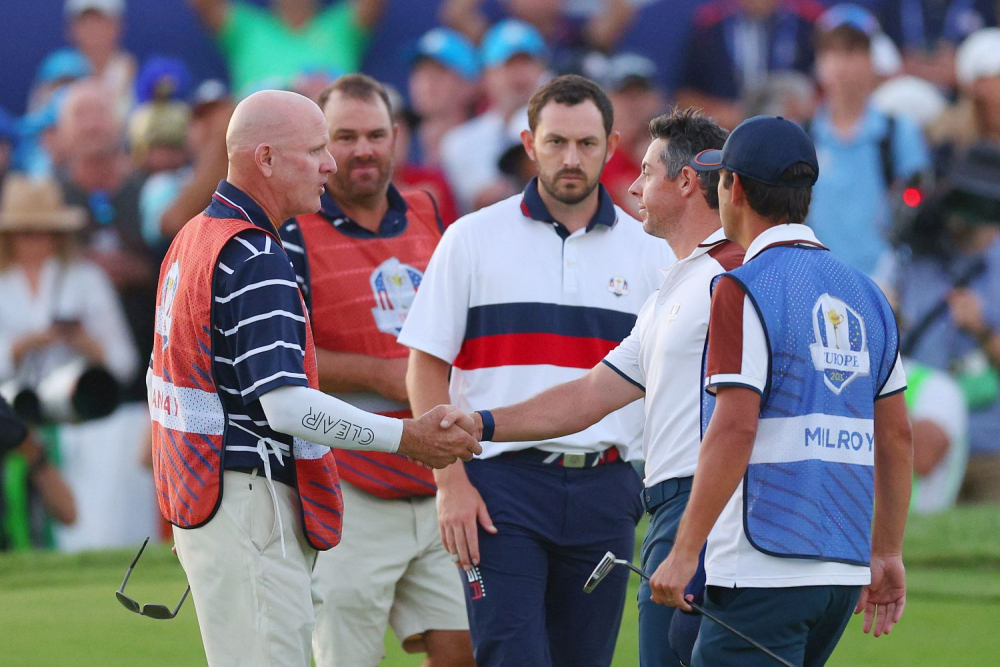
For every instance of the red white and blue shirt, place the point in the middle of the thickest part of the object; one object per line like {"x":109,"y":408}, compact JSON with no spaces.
{"x":517,"y":304}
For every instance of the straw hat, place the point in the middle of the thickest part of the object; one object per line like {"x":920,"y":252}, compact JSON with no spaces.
{"x":28,"y":205}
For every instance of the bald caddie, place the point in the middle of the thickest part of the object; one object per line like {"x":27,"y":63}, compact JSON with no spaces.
{"x":241,"y":434}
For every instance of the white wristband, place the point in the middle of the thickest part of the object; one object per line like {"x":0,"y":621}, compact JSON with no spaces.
{"x":317,"y":417}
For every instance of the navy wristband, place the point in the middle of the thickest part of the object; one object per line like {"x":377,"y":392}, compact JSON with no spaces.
{"x":488,"y":425}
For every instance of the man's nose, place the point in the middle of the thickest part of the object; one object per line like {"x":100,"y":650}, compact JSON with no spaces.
{"x":571,"y":158}
{"x":363,"y":147}
{"x":636,"y":188}
{"x":329,"y":165}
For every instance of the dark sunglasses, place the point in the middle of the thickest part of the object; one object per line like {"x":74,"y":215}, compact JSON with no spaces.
{"x":157,"y":611}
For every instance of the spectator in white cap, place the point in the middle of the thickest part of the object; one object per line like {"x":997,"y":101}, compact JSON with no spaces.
{"x":95,"y":28}
{"x":513,"y":55}
{"x":910,"y":97}
{"x":976,"y":115}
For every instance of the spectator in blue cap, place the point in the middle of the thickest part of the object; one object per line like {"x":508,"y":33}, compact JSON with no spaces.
{"x":443,"y":85}
{"x":514,"y":57}
{"x":57,"y":70}
{"x":864,"y":152}
{"x":95,"y":28}
{"x":162,"y":79}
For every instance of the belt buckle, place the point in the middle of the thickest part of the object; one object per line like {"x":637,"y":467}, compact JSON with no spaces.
{"x":574,"y":460}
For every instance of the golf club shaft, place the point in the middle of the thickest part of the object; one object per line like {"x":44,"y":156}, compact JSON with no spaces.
{"x":701,"y":610}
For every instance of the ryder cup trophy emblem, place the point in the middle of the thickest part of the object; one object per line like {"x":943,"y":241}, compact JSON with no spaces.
{"x":841,"y":348}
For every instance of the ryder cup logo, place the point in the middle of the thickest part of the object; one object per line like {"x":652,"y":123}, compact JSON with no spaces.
{"x":165,"y":308}
{"x":841,"y":348}
{"x":394,"y":286}
{"x":618,"y":286}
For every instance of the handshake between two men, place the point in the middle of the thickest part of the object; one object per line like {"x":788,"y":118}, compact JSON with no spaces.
{"x":440,"y":437}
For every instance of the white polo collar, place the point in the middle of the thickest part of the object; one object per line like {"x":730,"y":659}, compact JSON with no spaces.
{"x":786,"y":234}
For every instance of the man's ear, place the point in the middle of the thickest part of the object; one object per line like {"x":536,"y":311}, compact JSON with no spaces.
{"x":528,"y":141}
{"x":263,"y":157}
{"x":613,"y":140}
{"x":688,"y":182}
{"x":739,"y":196}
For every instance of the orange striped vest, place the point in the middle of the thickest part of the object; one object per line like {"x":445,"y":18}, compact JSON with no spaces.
{"x":189,"y":423}
{"x":361,"y":290}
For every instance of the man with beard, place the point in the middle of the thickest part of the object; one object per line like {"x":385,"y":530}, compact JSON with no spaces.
{"x":359,"y":261}
{"x":521,"y":296}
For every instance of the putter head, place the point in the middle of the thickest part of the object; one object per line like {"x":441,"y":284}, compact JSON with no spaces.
{"x":603,"y":568}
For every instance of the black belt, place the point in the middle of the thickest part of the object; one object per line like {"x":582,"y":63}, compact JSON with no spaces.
{"x":581,"y":460}
{"x":656,"y":495}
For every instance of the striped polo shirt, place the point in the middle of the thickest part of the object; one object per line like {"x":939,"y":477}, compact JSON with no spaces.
{"x":258,"y":335}
{"x":517,"y":304}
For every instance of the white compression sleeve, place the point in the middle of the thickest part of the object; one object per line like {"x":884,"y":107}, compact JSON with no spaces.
{"x":314,"y":416}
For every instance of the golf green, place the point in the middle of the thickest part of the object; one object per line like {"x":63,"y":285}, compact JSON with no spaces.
{"x":61,"y":610}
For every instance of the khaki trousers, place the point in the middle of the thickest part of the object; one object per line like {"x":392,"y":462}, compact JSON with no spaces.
{"x":256,"y":607}
{"x":390,"y":569}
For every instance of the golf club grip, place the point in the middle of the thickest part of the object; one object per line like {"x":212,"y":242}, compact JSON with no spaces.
{"x":701,"y":610}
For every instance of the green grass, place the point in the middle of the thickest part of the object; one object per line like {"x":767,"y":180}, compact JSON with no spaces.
{"x":61,"y":610}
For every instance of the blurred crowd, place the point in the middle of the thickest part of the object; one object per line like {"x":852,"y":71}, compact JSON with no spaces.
{"x":113,"y":156}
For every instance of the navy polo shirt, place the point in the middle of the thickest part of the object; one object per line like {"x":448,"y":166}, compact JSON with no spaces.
{"x":258,"y":334}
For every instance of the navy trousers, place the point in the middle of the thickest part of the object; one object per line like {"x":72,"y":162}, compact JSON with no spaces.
{"x":526,"y":603}
{"x":801,"y":624}
{"x":655,"y":619}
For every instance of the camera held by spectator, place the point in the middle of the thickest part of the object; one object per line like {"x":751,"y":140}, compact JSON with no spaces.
{"x":931,"y":222}
{"x":55,"y":371}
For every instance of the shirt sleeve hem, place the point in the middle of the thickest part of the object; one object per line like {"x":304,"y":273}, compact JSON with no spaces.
{"x":271,"y":386}
{"x":713,"y":382}
{"x":890,"y":393}
{"x":428,"y":348}
{"x":623,"y":374}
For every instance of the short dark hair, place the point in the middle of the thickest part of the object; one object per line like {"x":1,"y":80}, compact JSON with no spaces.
{"x":571,"y":89}
{"x":688,"y":132}
{"x":842,"y":38}
{"x":779,"y":203}
{"x":356,"y":87}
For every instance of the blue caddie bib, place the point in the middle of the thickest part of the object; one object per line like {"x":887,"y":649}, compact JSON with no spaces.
{"x":832,"y":343}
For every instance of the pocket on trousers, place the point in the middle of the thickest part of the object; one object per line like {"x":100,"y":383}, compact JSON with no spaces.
{"x":262,"y":519}
{"x":721,"y":597}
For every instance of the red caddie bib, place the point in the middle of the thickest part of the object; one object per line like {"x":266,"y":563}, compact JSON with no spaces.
{"x":189,"y":422}
{"x":361,"y":291}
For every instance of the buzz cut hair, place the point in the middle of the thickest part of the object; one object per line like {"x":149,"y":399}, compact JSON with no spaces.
{"x":356,"y":87}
